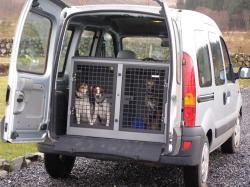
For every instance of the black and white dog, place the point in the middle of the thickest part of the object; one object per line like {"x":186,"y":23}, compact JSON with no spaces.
{"x":102,"y":111}
{"x":83,"y":105}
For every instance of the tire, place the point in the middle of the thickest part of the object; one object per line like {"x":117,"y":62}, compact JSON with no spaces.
{"x":196,"y":176}
{"x":232,"y":145}
{"x":58,"y":166}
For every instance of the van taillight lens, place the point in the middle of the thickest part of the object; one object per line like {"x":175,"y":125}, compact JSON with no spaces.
{"x":189,"y":92}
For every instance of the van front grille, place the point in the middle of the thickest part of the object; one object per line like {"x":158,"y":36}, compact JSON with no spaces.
{"x":144,"y":97}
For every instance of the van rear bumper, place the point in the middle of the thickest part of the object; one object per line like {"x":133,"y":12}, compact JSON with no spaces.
{"x":113,"y":149}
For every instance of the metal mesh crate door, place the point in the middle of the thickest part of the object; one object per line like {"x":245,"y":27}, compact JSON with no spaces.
{"x":143,"y":98}
{"x":93,"y":91}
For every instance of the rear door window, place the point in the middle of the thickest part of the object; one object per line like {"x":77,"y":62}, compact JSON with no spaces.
{"x":219,"y":72}
{"x":34,"y":44}
{"x":203,"y":61}
{"x":85,"y":43}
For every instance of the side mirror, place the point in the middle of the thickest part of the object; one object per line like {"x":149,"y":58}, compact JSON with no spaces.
{"x":222,"y":75}
{"x":244,"y":73}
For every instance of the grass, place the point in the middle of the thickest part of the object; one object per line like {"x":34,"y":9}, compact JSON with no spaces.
{"x":3,"y":86}
{"x":238,"y":42}
{"x":4,"y":60}
{"x":7,"y":29}
{"x":244,"y":83}
{"x":10,"y":151}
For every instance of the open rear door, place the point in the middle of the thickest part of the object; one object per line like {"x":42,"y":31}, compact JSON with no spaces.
{"x":30,"y":74}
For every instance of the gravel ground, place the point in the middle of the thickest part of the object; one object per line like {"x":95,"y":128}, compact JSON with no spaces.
{"x":225,"y":170}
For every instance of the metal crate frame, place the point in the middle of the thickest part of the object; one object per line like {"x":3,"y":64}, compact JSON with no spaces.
{"x":116,"y":132}
{"x":73,"y":90}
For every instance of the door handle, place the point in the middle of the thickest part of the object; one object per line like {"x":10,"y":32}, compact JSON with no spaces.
{"x":226,"y":95}
{"x":20,"y":97}
{"x":205,"y":98}
{"x":7,"y":97}
{"x":19,"y":103}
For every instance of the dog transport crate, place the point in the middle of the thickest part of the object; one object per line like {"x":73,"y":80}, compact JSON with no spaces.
{"x":94,"y":76}
{"x":136,"y":93}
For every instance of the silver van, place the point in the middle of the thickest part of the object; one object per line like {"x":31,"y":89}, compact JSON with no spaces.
{"x":122,"y":82}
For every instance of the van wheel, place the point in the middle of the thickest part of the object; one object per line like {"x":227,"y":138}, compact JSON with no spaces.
{"x":196,"y":176}
{"x":58,"y":166}
{"x":232,"y":145}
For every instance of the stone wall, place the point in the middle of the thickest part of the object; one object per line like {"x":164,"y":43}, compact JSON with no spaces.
{"x":5,"y":47}
{"x":26,"y":46}
{"x":4,"y":68}
{"x":240,"y":59}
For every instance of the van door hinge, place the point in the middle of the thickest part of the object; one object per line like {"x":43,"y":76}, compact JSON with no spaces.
{"x":74,"y":77}
{"x":14,"y":135}
{"x":5,"y":127}
{"x":43,"y":127}
{"x":72,"y":111}
{"x":35,"y":4}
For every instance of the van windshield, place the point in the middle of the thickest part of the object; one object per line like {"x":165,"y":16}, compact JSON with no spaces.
{"x":147,"y":48}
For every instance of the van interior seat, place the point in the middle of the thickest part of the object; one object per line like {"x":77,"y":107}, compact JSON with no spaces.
{"x":126,"y":54}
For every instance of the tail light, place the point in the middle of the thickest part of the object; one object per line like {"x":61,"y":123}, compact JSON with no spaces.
{"x":189,"y":92}
{"x":186,"y":145}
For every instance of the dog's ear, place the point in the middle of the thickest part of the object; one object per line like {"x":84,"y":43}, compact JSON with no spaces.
{"x":101,"y":89}
{"x":91,"y":88}
{"x":78,"y":86}
{"x":78,"y":94}
{"x":85,"y":85}
{"x":150,"y":83}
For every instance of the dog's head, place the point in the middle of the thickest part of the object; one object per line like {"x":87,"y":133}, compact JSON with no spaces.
{"x":98,"y":94}
{"x":82,"y":90}
{"x":150,"y":85}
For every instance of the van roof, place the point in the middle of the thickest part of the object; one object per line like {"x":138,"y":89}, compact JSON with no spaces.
{"x":194,"y":18}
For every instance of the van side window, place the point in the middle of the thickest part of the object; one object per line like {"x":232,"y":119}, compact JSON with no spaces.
{"x":219,"y":72}
{"x":107,"y":48}
{"x":85,"y":43}
{"x":228,"y":65}
{"x":34,"y":44}
{"x":64,"y":51}
{"x":203,"y":61}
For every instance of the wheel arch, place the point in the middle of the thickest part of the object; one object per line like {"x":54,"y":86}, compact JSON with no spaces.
{"x":209,"y":136}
